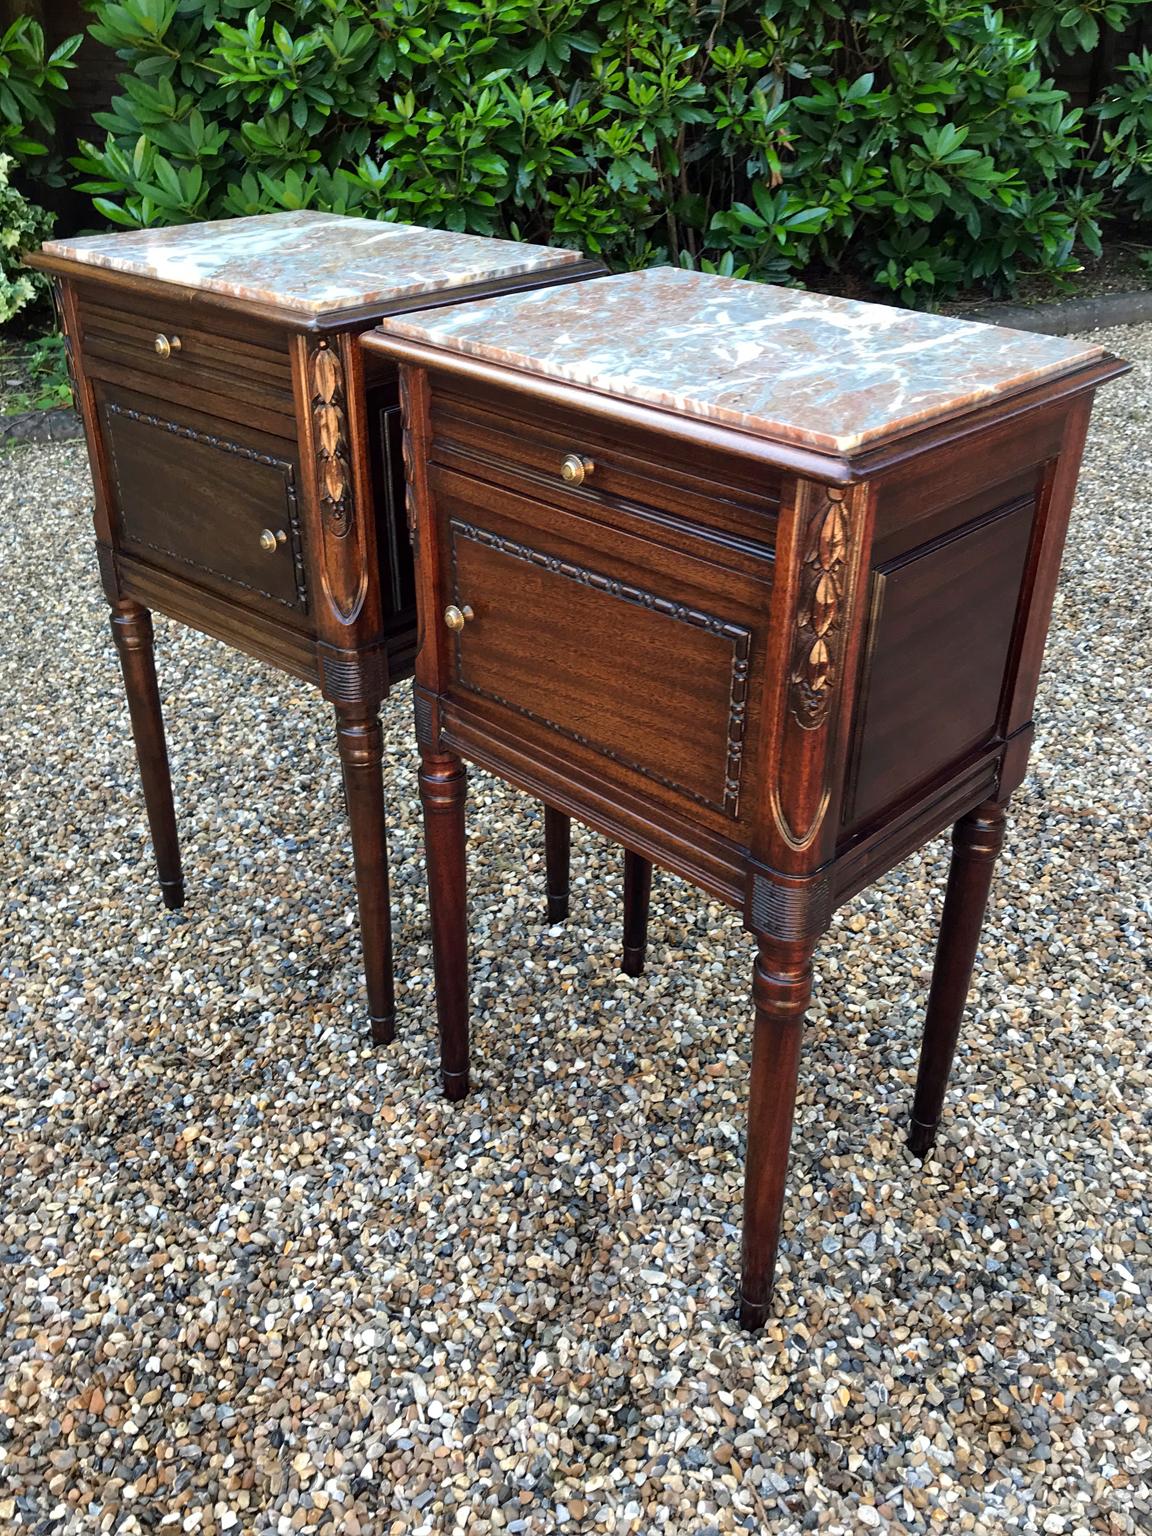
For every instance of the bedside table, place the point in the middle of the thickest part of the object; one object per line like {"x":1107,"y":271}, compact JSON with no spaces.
{"x":248,"y":472}
{"x":755,"y":583}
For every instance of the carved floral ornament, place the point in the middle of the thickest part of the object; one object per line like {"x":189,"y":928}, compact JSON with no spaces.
{"x":818,"y":648}
{"x":332,"y":472}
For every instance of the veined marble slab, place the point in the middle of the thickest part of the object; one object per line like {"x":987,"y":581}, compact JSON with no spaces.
{"x":796,"y":367}
{"x":313,"y":262}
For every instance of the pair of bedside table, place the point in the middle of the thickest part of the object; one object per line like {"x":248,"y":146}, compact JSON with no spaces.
{"x":754,"y":582}
{"x":249,"y":480}
{"x":757,"y":584}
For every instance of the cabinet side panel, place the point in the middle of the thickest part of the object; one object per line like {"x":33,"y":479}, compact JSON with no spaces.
{"x":940,"y":633}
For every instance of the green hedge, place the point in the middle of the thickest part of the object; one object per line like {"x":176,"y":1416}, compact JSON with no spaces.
{"x":916,"y":146}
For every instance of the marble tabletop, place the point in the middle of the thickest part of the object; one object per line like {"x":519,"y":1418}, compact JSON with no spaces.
{"x":308,"y":261}
{"x":797,"y":367}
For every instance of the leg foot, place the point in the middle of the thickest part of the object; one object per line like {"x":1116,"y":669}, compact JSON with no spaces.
{"x":132,"y":632}
{"x":753,"y":1314}
{"x":781,"y":989}
{"x":976,"y":841}
{"x":443,"y":785}
{"x":557,"y":858}
{"x":362,"y":758}
{"x":637,"y":892}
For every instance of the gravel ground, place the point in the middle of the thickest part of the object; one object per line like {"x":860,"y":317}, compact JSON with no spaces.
{"x":257,"y":1277}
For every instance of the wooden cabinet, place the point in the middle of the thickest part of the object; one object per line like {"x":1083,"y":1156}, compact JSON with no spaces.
{"x":757,"y":584}
{"x":248,"y":469}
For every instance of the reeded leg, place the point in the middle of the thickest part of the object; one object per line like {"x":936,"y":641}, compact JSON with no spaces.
{"x":362,"y":759}
{"x":443,"y":784}
{"x":557,"y":858}
{"x":637,"y":891}
{"x":976,"y":841}
{"x":132,"y":632}
{"x":781,"y":989}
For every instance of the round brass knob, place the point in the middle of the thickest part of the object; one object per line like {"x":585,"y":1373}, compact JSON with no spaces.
{"x":271,"y":541}
{"x":576,"y":468}
{"x":456,"y":618}
{"x":166,"y":345}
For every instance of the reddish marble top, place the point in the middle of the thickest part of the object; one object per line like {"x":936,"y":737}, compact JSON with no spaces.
{"x":311,"y":262}
{"x":797,"y":367}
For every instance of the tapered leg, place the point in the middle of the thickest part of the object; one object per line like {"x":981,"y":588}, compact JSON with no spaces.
{"x":637,"y":891}
{"x":132,"y":632}
{"x":557,"y":858}
{"x":781,"y":989}
{"x":443,"y":784}
{"x":361,"y":744}
{"x":976,"y":840}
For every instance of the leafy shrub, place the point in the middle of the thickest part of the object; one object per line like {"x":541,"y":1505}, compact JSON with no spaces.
{"x":1125,"y":115}
{"x":32,"y":85}
{"x":1060,"y":27}
{"x":22,"y":226}
{"x":916,"y":144}
{"x":45,"y":364}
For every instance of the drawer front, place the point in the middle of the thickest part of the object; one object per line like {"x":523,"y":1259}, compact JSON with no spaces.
{"x":245,"y":379}
{"x":641,"y":659}
{"x":577,"y":463}
{"x":194,"y":498}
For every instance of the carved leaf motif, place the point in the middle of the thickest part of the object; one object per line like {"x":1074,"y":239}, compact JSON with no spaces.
{"x":326,"y":375}
{"x":334,"y":480}
{"x":330,"y":425}
{"x":329,"y":432}
{"x":825,"y":603}
{"x":833,"y":537}
{"x":819,"y":639}
{"x":819,"y":666}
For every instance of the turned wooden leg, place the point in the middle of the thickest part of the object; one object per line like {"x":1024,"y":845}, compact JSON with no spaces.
{"x":781,"y":989}
{"x":132,"y":632}
{"x":976,"y":841}
{"x":443,"y":784}
{"x":637,"y":891}
{"x":361,"y":744}
{"x":557,"y":859}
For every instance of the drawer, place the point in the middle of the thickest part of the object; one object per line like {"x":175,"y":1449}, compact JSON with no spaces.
{"x":240,"y":378}
{"x":197,"y":498}
{"x":639,"y":659}
{"x":578,"y":463}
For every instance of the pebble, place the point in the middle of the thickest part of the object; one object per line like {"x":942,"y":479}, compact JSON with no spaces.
{"x":259,"y":1277}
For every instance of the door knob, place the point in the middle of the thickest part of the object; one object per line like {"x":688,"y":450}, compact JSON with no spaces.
{"x":456,"y":618}
{"x":575,"y":468}
{"x":271,"y":540}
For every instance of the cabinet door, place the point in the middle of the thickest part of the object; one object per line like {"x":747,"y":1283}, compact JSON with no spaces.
{"x":201,"y":500}
{"x":628,"y":647}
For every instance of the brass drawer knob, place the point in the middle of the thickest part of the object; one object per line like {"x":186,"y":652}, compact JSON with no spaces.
{"x":456,"y":618}
{"x":166,"y":345}
{"x":576,"y":468}
{"x":271,"y":540}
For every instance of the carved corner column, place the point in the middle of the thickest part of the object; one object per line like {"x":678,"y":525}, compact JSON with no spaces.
{"x":818,"y":610}
{"x":339,"y":524}
{"x":345,"y":604}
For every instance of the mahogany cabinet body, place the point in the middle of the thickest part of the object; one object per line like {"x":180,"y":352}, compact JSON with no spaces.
{"x":773,"y":671}
{"x":249,"y":482}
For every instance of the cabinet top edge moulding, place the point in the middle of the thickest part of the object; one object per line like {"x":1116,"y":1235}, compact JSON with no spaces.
{"x":825,"y":379}
{"x":307,"y":269}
